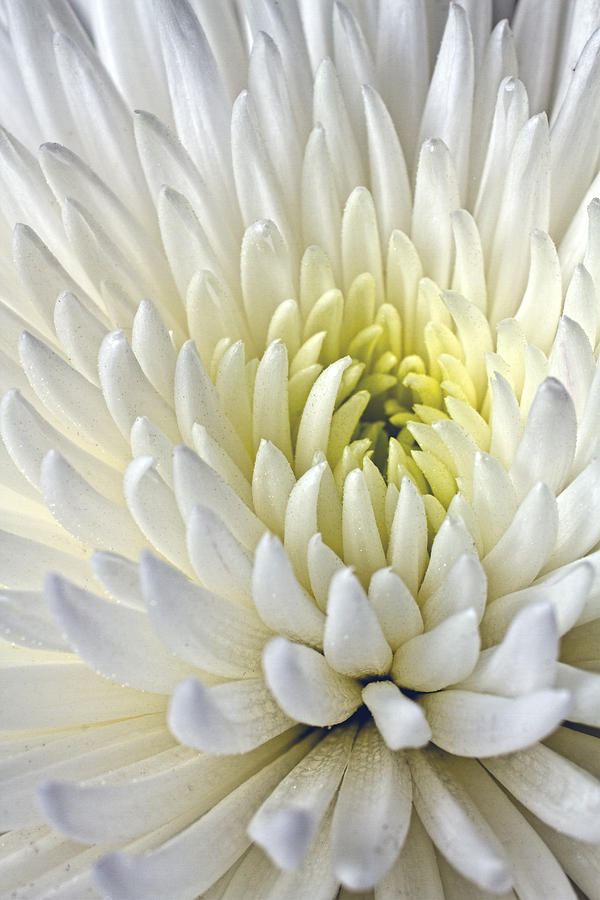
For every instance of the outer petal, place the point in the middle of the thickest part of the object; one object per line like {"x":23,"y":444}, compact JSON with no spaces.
{"x":470,"y":724}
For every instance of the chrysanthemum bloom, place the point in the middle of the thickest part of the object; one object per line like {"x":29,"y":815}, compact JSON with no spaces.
{"x":301,"y":487}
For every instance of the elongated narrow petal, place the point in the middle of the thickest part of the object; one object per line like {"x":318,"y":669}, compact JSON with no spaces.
{"x":524,"y":773}
{"x":287,"y":822}
{"x":101,"y":635}
{"x":174,"y":867}
{"x":455,"y":825}
{"x":306,"y":687}
{"x":207,"y":631}
{"x":372,"y":812}
{"x":300,"y":449}
{"x":471,"y":724}
{"x":524,"y":661}
{"x":440,"y":657}
{"x":228,"y":718}
{"x":281,"y":601}
{"x":527,"y":543}
{"x":353,"y":642}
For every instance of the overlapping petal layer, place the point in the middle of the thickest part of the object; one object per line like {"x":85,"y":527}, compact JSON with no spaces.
{"x":300,"y":480}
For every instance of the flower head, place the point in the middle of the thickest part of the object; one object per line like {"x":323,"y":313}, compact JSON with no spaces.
{"x":301,"y":489}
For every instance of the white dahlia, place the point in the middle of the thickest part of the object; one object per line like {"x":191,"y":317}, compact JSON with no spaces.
{"x":300,"y":463}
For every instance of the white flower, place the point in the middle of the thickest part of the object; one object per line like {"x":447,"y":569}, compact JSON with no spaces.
{"x":300,"y":478}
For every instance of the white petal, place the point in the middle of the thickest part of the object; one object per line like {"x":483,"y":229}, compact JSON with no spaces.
{"x":177,"y":868}
{"x":316,"y":877}
{"x":566,"y":591}
{"x":525,"y":545}
{"x":24,"y":563}
{"x":372,"y":812}
{"x":127,"y":391}
{"x":219,"y":560}
{"x":28,"y":437}
{"x":287,"y":822}
{"x":362,"y":543}
{"x":266,"y":273}
{"x":399,"y":719}
{"x":306,"y":687}
{"x":456,"y":826}
{"x":301,"y":519}
{"x":577,"y":519}
{"x":524,"y":206}
{"x":436,"y":196}
{"x":397,"y":611}
{"x":551,"y":422}
{"x":323,"y":563}
{"x":585,"y":691}
{"x":187,"y":247}
{"x":153,"y":349}
{"x":544,"y":278}
{"x":70,"y":397}
{"x":577,"y":859}
{"x":470,"y":724}
{"x":68,"y":757}
{"x":506,"y":421}
{"x":147,"y":439}
{"x":152,"y":506}
{"x":321,"y":206}
{"x":330,"y":110}
{"x":525,"y":660}
{"x":389,"y":179}
{"x":580,"y":302}
{"x":494,"y":499}
{"x":69,"y":176}
{"x":315,"y":424}
{"x":59,"y":694}
{"x":468,"y":278}
{"x":177,"y":780}
{"x":353,"y":641}
{"x":361,"y":251}
{"x":447,"y":113}
{"x":257,"y":183}
{"x":80,"y":332}
{"x":402,"y":58}
{"x":228,"y":718}
{"x":119,"y":577}
{"x":536,"y":872}
{"x":572,"y":361}
{"x":509,"y":116}
{"x":201,"y":113}
{"x":220,"y":462}
{"x":556,"y":790}
{"x":25,"y":620}
{"x":450,"y":543}
{"x":196,"y":400}
{"x":407,"y":550}
{"x":200,"y":627}
{"x":464,"y":587}
{"x":253,"y":873}
{"x":440,"y":657}
{"x":581,"y":96}
{"x":281,"y":602}
{"x":475,"y":336}
{"x":272,"y":483}
{"x":197,"y":484}
{"x":415,"y":873}
{"x":88,"y":515}
{"x":271,"y":416}
{"x":115,"y":640}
